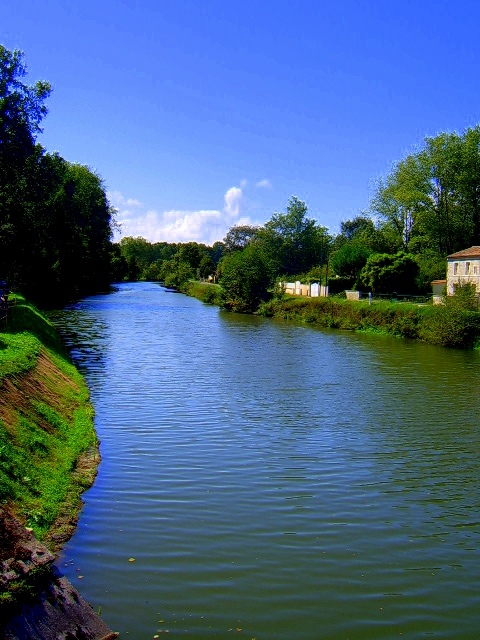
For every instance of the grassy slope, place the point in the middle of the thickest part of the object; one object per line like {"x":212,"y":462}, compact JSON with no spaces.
{"x":47,"y":439}
{"x":203,"y":291}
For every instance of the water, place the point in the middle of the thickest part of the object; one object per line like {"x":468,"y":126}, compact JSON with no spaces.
{"x":274,"y":479}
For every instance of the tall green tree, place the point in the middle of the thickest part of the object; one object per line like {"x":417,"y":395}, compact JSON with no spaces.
{"x":239,"y":236}
{"x":245,"y":277}
{"x":348,"y":261}
{"x":403,"y":196}
{"x":431,"y":199}
{"x":55,"y":218}
{"x":22,"y":108}
{"x":293,"y":241}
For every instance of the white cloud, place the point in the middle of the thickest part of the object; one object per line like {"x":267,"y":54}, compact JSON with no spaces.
{"x":118,"y":201}
{"x":264,"y":184}
{"x":243,"y":183}
{"x":204,"y":225}
{"x":233,"y":202}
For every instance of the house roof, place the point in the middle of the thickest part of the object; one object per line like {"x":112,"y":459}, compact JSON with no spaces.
{"x":473,"y":252}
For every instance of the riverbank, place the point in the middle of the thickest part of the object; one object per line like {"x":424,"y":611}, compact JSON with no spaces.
{"x":48,"y":457}
{"x":445,"y":326}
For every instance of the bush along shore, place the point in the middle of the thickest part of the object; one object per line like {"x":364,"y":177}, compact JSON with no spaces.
{"x":447,"y":325}
{"x":48,"y":457}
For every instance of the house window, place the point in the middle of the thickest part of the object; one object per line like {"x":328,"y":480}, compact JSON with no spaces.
{"x":475,"y":272}
{"x":467,"y":268}
{"x":455,"y":268}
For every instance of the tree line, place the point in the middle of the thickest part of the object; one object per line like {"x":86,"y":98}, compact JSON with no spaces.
{"x":426,"y":208}
{"x":56,"y":222}
{"x":55,"y":218}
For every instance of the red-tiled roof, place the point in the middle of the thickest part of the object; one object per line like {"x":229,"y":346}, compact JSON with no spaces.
{"x":473,"y":252}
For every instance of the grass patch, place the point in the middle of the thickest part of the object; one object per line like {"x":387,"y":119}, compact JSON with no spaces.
{"x":46,"y":424}
{"x":203,"y":291}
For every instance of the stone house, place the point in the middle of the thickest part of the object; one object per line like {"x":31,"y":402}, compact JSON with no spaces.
{"x":463,"y":267}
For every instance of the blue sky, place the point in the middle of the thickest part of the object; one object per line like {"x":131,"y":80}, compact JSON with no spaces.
{"x":201,"y":115}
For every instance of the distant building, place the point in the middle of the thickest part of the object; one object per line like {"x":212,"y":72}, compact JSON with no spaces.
{"x":463,"y":267}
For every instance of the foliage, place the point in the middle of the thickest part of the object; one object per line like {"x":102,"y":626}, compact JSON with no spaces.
{"x":239,"y":236}
{"x":207,"y":266}
{"x":55,"y":218}
{"x":171,"y":263}
{"x":293,"y":242}
{"x":245,"y":278}
{"x":464,"y":297}
{"x":437,"y":325}
{"x":360,"y":228}
{"x":175,"y":273}
{"x":205,"y":292}
{"x":340,"y":284}
{"x":447,"y":326}
{"x":384,"y":273}
{"x":350,"y":259}
{"x":118,"y":264}
{"x":431,"y":199}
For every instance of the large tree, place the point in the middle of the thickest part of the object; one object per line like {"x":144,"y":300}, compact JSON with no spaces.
{"x":55,"y":218}
{"x":239,"y":236}
{"x":22,"y":108}
{"x":431,"y":199}
{"x":293,"y":241}
{"x":244,"y":277}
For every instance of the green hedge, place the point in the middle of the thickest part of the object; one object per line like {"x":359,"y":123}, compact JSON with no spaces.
{"x":440,"y":325}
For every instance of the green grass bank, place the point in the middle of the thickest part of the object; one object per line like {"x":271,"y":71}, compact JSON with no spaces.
{"x":48,"y":446}
{"x":203,"y":291}
{"x":445,"y":326}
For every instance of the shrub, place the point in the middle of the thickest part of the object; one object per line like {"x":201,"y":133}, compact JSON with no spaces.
{"x":464,"y":297}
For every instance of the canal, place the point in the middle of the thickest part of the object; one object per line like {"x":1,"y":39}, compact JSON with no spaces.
{"x":264,"y":480}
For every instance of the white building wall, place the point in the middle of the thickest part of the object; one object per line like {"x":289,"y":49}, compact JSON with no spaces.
{"x":464,"y":271}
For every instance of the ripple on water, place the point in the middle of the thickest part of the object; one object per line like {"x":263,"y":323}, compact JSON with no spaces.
{"x":289,"y":482}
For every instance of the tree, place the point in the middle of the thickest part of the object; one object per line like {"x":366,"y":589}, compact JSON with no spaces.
{"x":244,"y":278}
{"x":385,"y":273}
{"x":431,"y":199}
{"x":400,"y":199}
{"x":207,"y":266}
{"x":239,"y":236}
{"x":360,"y":227}
{"x":293,"y":241}
{"x":348,"y":261}
{"x":118,"y":264}
{"x":217,"y":252}
{"x":191,"y":254}
{"x":22,"y":109}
